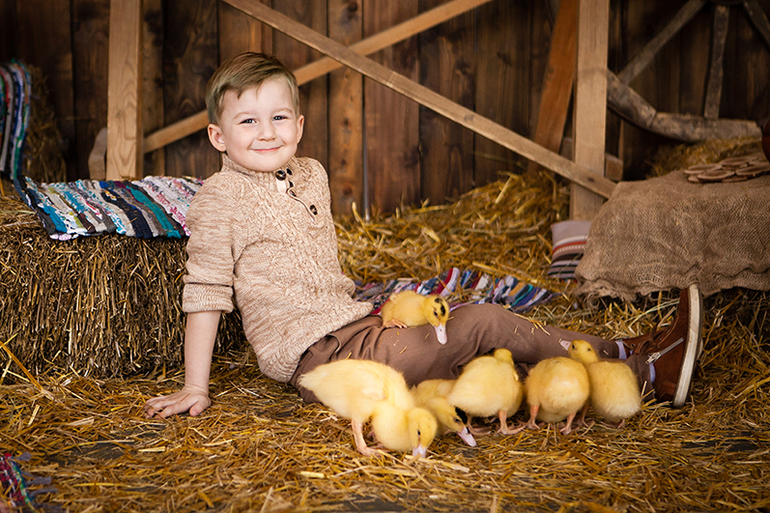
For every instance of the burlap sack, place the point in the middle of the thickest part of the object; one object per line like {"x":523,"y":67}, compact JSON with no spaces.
{"x":667,"y":233}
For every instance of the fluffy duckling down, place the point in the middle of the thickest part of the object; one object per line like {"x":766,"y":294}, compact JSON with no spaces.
{"x":432,"y":395}
{"x":615,"y":394}
{"x":556,"y":389}
{"x":408,"y":308}
{"x":488,"y":386}
{"x":360,"y":390}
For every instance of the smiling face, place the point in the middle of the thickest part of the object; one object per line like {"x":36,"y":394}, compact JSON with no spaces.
{"x":259,"y":129}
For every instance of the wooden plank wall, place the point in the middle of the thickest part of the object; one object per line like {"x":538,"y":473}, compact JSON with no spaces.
{"x":380,"y":149}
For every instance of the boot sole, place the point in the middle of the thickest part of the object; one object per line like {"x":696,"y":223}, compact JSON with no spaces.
{"x":693,"y":347}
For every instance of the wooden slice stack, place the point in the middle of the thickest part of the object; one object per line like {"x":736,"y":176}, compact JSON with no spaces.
{"x":734,"y":169}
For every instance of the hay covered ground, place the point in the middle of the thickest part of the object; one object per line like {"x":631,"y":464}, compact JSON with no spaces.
{"x":260,"y":448}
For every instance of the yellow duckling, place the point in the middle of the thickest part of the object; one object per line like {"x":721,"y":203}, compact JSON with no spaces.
{"x":615,"y":394}
{"x":408,"y":308}
{"x":556,"y":389}
{"x":487,"y":386}
{"x":362,"y":389}
{"x":432,"y":395}
{"x":401,"y":430}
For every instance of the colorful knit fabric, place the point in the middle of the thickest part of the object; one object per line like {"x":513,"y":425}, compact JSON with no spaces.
{"x":15,"y":486}
{"x":14,"y":116}
{"x":155,"y":206}
{"x":476,"y":287}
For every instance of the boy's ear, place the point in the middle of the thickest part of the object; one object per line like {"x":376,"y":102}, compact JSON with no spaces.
{"x":300,"y":127}
{"x":216,"y":137}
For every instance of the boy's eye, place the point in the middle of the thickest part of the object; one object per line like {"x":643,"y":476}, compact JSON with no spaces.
{"x":248,"y":121}
{"x":279,"y":117}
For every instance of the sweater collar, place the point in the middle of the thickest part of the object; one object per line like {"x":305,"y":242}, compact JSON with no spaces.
{"x":227,"y":163}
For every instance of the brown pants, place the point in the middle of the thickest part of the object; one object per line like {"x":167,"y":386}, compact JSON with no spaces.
{"x":471,"y":330}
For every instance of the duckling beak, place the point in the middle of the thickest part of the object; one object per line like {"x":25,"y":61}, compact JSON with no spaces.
{"x":467,"y":437}
{"x":441,"y":333}
{"x":419,"y":451}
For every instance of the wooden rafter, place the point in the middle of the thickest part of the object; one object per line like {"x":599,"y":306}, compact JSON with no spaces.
{"x":424,"y":96}
{"x":309,"y":72}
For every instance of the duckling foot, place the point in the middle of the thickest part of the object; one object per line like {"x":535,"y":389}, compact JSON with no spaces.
{"x":567,"y":429}
{"x":370,"y":451}
{"x":531,"y":423}
{"x":393,"y":324}
{"x":504,"y":429}
{"x":477,"y":431}
{"x":518,"y":429}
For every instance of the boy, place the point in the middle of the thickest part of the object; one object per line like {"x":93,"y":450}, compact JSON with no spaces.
{"x":262,"y":230}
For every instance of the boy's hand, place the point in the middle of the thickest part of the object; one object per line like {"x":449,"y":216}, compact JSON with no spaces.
{"x":191,"y":398}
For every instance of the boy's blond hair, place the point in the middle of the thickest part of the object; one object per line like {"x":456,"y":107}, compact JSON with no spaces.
{"x":243,"y":72}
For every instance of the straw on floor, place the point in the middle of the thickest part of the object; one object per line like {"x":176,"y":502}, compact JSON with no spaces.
{"x":260,"y":448}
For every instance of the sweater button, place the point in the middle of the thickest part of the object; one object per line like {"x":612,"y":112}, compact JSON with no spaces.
{"x":314,"y":210}
{"x":280,"y":174}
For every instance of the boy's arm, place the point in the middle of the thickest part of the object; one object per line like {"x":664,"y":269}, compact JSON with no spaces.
{"x":200,"y":334}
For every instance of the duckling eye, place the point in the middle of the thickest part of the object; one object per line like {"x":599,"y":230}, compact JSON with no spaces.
{"x":419,"y":433}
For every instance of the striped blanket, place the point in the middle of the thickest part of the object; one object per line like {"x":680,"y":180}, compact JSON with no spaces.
{"x":153,"y":207}
{"x":462,"y":287}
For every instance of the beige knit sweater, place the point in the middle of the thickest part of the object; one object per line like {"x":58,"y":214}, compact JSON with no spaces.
{"x":274,"y":244}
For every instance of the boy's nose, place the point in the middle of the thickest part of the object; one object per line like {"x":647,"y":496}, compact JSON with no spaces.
{"x":265,"y":131}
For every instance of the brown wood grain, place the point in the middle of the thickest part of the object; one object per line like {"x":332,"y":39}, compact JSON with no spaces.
{"x":320,"y":67}
{"x":346,"y":113}
{"x":716,"y":69}
{"x":90,"y":40}
{"x":124,"y":94}
{"x":238,"y":32}
{"x":502,"y":83}
{"x":446,"y":66}
{"x":557,"y":81}
{"x":313,"y":95}
{"x":391,"y":121}
{"x":695,"y":38}
{"x":424,"y":96}
{"x":189,"y":59}
{"x":152,"y":81}
{"x":590,"y":111}
{"x":44,"y":35}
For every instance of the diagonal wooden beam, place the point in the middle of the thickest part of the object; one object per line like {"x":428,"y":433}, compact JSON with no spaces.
{"x":758,"y":19}
{"x":643,"y":58}
{"x":424,"y":96}
{"x":557,"y":81}
{"x":313,"y":70}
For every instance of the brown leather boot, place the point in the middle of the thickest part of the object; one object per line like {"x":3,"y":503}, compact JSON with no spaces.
{"x":674,"y":350}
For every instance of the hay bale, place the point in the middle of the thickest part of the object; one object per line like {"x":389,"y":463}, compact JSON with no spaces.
{"x":104,"y":306}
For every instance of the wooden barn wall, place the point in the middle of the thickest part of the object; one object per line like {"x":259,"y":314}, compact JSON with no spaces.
{"x":491,"y":59}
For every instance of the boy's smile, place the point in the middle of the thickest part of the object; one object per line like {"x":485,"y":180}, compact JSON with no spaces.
{"x":260,"y":129}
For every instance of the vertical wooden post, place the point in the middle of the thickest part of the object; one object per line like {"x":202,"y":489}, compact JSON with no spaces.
{"x":124,"y":99}
{"x":590,"y":107}
{"x":346,"y":113}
